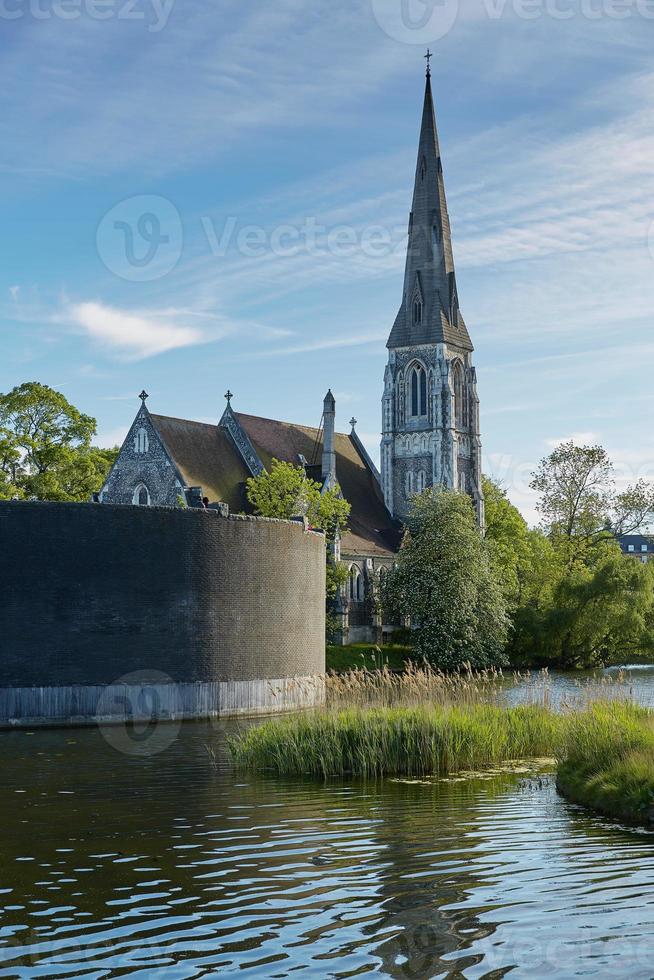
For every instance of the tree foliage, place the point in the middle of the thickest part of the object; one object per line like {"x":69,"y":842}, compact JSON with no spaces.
{"x":578,"y":500}
{"x":447,"y":582}
{"x":575,"y":600}
{"x":45,"y":447}
{"x":286,"y":491}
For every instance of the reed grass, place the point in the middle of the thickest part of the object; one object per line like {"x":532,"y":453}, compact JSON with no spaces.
{"x":412,"y":741}
{"x":607,"y":761}
{"x":425,"y":723}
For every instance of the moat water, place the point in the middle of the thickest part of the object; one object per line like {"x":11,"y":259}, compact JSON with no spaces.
{"x":121,"y":864}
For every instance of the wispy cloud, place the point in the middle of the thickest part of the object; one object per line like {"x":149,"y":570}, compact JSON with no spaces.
{"x":132,"y":335}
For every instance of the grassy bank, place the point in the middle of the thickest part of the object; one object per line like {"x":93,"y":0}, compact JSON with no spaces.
{"x":607,"y":761}
{"x":424,"y":723}
{"x":398,"y":741}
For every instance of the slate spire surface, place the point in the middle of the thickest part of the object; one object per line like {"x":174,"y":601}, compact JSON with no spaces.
{"x":429,"y":313}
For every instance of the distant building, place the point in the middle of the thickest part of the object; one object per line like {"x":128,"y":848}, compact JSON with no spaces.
{"x":637,"y":546}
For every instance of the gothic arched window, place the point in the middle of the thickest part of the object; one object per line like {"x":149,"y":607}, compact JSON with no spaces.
{"x":141,"y":496}
{"x":422,"y":481}
{"x":418,"y":391}
{"x":356,"y":584}
{"x":460,"y":397}
{"x":417,"y":311}
{"x":409,"y":483}
{"x":141,"y":442}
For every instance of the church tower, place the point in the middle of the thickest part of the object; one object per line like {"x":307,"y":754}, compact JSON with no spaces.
{"x":430,"y":408}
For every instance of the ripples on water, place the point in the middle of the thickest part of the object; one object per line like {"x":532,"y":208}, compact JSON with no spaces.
{"x":168,"y":867}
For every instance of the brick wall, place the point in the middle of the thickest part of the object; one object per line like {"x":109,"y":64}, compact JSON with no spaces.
{"x":89,"y":593}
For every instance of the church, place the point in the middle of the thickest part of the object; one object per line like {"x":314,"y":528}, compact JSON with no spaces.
{"x":430,"y":422}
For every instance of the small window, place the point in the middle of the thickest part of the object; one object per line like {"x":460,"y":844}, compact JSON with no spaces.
{"x":632,"y":547}
{"x":643,"y":547}
{"x":141,"y":442}
{"x":422,"y":481}
{"x":463,"y":482}
{"x":644,"y":560}
{"x":409,"y":483}
{"x":141,"y":496}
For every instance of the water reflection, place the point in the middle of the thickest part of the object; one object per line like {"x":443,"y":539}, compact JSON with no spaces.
{"x":168,"y":866}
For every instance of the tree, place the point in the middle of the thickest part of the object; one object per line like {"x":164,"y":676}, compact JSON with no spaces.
{"x":446,"y":582}
{"x":598,"y":615}
{"x":45,"y":447}
{"x":592,"y":605}
{"x":286,"y":491}
{"x":579,"y":503}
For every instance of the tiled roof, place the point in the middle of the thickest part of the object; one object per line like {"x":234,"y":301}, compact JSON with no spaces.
{"x":372,"y":530}
{"x":205,"y":456}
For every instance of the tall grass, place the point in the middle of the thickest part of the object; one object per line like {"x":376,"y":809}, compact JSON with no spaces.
{"x":414,"y":741}
{"x":607,"y":761}
{"x":423,"y":722}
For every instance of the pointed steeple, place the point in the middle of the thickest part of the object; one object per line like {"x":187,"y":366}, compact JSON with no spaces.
{"x":429,"y":313}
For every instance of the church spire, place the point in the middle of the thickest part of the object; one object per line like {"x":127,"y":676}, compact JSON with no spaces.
{"x":429,"y":313}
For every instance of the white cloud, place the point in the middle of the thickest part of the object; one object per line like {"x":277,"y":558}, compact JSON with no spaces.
{"x":133,"y":335}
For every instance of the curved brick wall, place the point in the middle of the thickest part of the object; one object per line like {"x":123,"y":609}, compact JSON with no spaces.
{"x":89,"y":593}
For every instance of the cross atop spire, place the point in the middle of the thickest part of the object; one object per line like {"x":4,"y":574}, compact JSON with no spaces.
{"x":144,"y":396}
{"x":229,"y":395}
{"x":428,"y":58}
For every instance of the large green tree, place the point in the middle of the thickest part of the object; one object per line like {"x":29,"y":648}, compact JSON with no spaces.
{"x":45,"y":447}
{"x":447,"y":583}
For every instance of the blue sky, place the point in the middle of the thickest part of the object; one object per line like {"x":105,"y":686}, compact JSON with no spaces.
{"x":268,"y":150}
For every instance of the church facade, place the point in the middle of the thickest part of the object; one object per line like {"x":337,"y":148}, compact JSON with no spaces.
{"x":430,"y":423}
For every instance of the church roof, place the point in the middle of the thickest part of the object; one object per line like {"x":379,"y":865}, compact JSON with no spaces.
{"x":372,"y":530}
{"x":205,"y":456}
{"x":429,"y":273}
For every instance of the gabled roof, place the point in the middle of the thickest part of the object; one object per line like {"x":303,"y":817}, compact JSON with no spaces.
{"x":207,"y":457}
{"x":430,"y":261}
{"x":372,"y":530}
